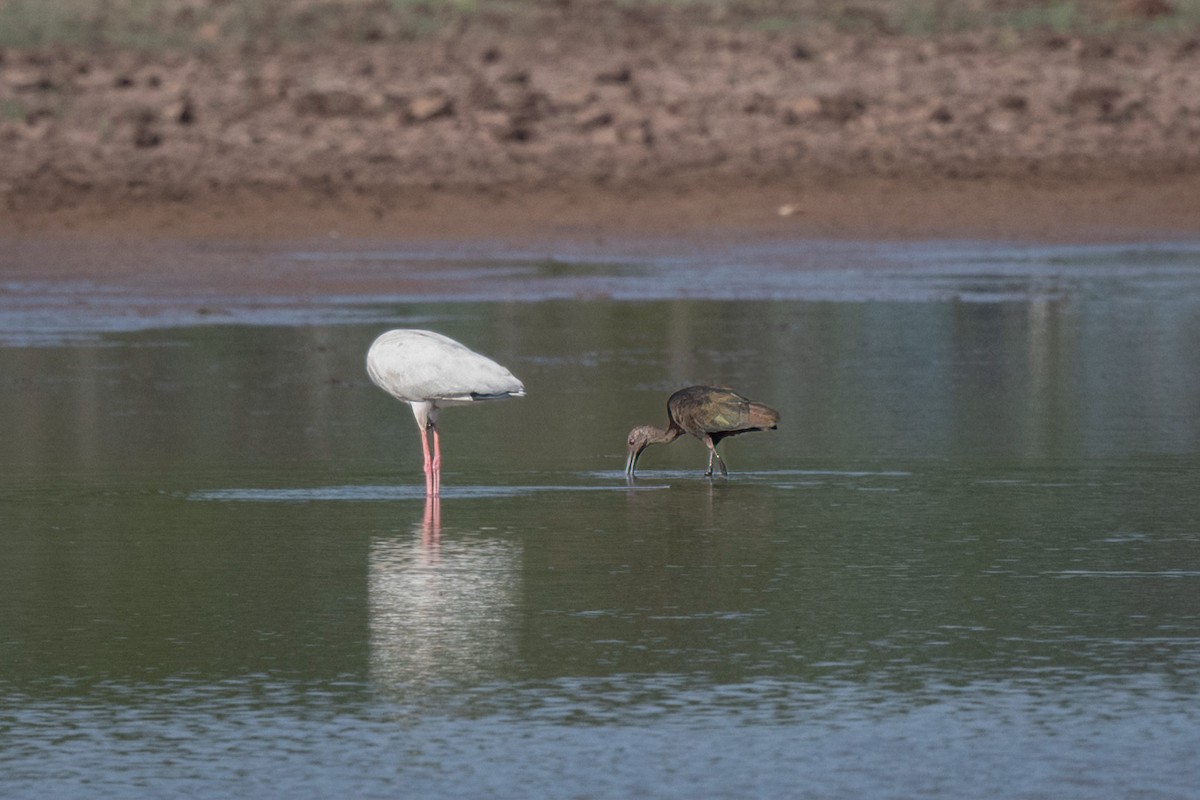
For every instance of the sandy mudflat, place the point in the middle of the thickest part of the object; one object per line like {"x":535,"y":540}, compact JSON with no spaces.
{"x":600,"y":119}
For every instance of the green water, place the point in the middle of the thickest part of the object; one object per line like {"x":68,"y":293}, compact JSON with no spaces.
{"x":967,"y":563}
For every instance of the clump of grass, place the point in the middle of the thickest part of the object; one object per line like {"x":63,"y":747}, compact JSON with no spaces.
{"x":1185,"y":19}
{"x":29,"y":23}
{"x":1079,"y":17}
{"x":12,"y":110}
{"x":133,"y":24}
{"x":200,"y":24}
{"x":1060,"y":16}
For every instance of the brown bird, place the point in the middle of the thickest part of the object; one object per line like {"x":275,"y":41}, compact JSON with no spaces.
{"x":710,"y":414}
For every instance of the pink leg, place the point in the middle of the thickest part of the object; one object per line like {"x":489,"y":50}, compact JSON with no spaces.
{"x":428,"y":464}
{"x":437,"y":463}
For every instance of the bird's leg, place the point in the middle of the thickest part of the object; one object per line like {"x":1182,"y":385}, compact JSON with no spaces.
{"x":713,"y":454}
{"x":437,"y":462}
{"x":428,"y":463}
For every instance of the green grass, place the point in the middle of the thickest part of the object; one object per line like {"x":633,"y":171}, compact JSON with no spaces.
{"x":28,"y":23}
{"x":1061,"y":17}
{"x":12,"y":110}
{"x":1074,"y":17}
{"x":169,"y":24}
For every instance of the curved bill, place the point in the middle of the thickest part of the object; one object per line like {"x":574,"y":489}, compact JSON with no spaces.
{"x":631,"y":460}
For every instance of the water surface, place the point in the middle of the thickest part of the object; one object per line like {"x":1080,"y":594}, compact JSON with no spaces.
{"x":966,"y":565}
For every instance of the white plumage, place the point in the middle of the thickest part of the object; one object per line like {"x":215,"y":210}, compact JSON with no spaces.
{"x":431,"y":372}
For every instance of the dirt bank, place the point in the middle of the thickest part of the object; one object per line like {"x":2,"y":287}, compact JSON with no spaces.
{"x":586,"y":114}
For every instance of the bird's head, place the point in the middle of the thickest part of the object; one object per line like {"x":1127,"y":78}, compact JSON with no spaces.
{"x":639,"y":438}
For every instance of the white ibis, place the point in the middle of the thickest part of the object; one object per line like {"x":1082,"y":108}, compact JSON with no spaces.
{"x":710,"y":414}
{"x":431,"y":372}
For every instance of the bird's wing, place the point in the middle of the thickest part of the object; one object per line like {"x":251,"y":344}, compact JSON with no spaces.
{"x":701,"y":410}
{"x":426,"y":366}
{"x":708,"y":409}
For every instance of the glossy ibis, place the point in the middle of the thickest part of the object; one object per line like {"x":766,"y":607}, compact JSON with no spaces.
{"x":431,"y":372}
{"x":710,"y":414}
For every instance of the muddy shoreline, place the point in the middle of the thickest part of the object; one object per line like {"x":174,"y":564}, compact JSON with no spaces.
{"x":184,"y":254}
{"x":1083,"y":208}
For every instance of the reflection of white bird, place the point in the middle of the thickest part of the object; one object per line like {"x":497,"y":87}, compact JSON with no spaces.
{"x":431,"y":372}
{"x":442,"y":615}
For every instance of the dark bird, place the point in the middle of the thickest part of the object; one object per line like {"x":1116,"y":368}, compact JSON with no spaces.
{"x":431,"y":372}
{"x":710,"y":414}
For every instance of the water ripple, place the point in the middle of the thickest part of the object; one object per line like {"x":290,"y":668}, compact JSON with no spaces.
{"x":614,"y":738}
{"x":361,"y":494}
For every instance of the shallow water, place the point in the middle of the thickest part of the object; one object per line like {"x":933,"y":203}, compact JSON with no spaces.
{"x":966,"y":565}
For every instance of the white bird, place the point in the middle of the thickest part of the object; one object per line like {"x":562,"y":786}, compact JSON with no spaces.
{"x":431,"y":372}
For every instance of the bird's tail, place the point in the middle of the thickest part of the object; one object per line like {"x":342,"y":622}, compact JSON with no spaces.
{"x":763,"y":416}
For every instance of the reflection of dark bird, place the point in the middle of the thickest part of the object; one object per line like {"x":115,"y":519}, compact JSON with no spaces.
{"x":431,"y":372}
{"x":710,"y":414}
